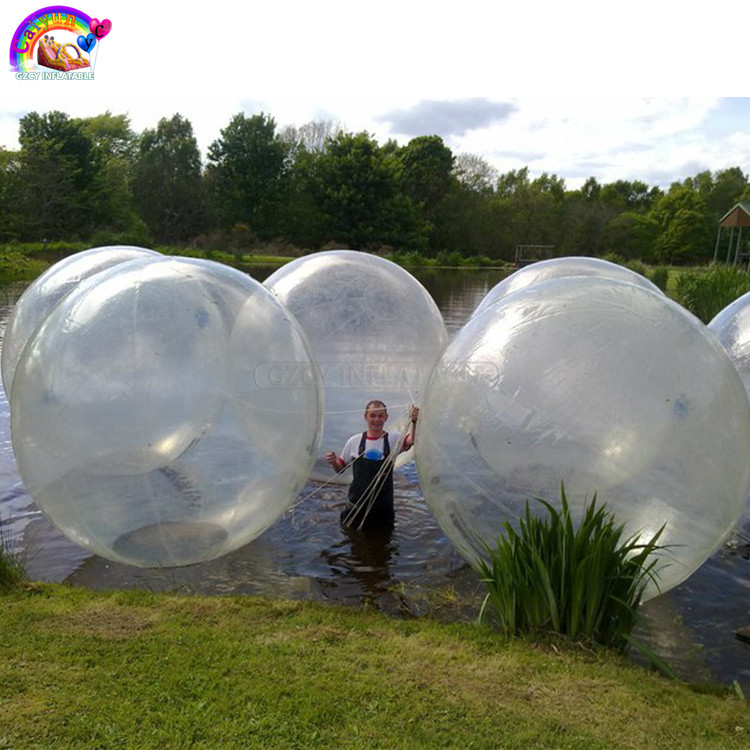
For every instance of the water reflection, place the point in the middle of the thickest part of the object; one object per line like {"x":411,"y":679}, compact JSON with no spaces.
{"x":365,"y":557}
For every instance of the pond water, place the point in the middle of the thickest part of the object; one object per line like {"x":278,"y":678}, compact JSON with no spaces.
{"x":413,"y":571}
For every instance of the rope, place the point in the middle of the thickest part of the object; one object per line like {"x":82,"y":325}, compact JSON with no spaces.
{"x":359,"y":411}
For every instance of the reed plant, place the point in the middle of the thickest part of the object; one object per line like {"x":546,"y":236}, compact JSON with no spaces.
{"x":706,"y":293}
{"x":660,"y":277}
{"x":584,"y":582}
{"x":12,"y":561}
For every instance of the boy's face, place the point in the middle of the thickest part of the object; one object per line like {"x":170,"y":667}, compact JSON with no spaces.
{"x":376,"y":417}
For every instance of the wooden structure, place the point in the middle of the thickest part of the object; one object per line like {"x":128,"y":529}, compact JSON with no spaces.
{"x":526,"y":254}
{"x":737,"y":218}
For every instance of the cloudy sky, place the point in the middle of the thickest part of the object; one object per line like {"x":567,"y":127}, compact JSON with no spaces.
{"x":640,"y":92}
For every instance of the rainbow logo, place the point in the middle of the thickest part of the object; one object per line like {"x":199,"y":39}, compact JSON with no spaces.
{"x":55,"y":41}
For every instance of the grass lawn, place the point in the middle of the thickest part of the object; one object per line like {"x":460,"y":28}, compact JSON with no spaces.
{"x":124,"y":670}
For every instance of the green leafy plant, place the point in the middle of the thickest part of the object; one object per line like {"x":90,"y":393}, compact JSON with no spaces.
{"x":660,"y":277}
{"x":706,"y":293}
{"x":583,"y":582}
{"x":637,"y":266}
{"x":12,"y":562}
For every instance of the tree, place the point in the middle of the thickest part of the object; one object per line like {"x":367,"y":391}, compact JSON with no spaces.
{"x":248,"y":167}
{"x":355,"y":187}
{"x":115,"y":148}
{"x":627,"y":195}
{"x":56,"y":167}
{"x":591,"y":190}
{"x":632,"y":235}
{"x":167,"y":184}
{"x":684,"y":226}
{"x":531,"y":210}
{"x":720,"y":191}
{"x":427,"y":179}
{"x":9,"y":194}
{"x":312,"y":136}
{"x":474,"y":173}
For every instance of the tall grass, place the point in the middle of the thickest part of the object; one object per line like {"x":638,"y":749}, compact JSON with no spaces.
{"x":660,"y":277}
{"x":584,"y":583}
{"x":12,"y":562}
{"x":706,"y":293}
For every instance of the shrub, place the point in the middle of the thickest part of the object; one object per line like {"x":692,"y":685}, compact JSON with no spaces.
{"x":637,"y":266}
{"x":614,"y":258}
{"x":449,"y":259}
{"x":16,"y":265}
{"x":706,"y":293}
{"x":136,"y":234}
{"x":581,"y":583}
{"x":413,"y":258}
{"x":481,"y":261}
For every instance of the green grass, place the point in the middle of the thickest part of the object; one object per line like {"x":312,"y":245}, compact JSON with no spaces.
{"x":582,"y":581}
{"x":135,"y":670}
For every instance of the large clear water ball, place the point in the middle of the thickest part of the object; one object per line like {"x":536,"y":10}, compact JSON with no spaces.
{"x":44,"y":293}
{"x":375,"y":332}
{"x":601,"y":385}
{"x":561,"y":267}
{"x":732,"y":327}
{"x":143,"y":418}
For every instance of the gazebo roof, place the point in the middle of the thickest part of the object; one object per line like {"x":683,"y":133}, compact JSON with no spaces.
{"x":737,"y":216}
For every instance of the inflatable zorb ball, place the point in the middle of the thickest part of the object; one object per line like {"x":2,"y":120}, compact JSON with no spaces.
{"x":374,"y":329}
{"x":146,"y":419}
{"x":562,"y":267}
{"x":44,"y":293}
{"x":604,"y":386}
{"x":732,"y":327}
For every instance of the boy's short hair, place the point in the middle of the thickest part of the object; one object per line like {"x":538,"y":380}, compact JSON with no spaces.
{"x":375,"y":403}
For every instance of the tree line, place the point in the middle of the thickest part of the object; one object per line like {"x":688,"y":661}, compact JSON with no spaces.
{"x":95,"y":179}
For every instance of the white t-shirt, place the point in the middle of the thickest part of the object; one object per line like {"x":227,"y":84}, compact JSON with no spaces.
{"x":373,"y":448}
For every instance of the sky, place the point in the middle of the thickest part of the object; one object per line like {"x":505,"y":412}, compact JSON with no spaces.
{"x":648,"y":91}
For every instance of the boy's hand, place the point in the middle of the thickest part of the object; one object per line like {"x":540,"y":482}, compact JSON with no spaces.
{"x":414,"y":413}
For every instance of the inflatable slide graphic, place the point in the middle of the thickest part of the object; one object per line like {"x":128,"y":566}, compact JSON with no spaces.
{"x":50,"y":54}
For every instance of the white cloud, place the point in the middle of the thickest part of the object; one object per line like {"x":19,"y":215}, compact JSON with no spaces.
{"x":334,"y":60}
{"x":455,"y":117}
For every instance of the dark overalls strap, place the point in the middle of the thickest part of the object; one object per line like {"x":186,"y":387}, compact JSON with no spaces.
{"x":374,"y":511}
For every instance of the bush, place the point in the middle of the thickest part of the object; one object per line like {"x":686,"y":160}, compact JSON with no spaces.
{"x":16,"y":265}
{"x":413,"y":258}
{"x":449,"y":259}
{"x":614,"y":258}
{"x":706,"y":293}
{"x":581,"y":583}
{"x":637,"y":266}
{"x":481,"y":261}
{"x":137,"y":234}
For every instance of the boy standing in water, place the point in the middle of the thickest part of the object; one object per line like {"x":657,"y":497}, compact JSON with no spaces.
{"x":371,"y":496}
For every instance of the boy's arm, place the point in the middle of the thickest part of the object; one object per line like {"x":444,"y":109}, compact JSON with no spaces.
{"x":410,"y":435}
{"x":337,"y":462}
